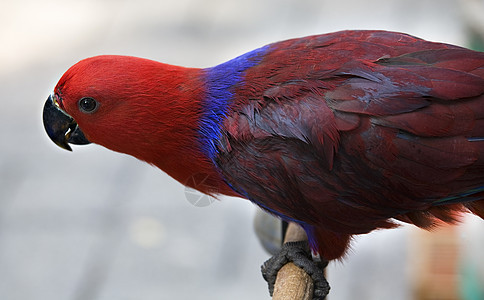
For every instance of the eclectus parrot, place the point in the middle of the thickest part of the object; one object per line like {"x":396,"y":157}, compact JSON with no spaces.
{"x":341,"y":133}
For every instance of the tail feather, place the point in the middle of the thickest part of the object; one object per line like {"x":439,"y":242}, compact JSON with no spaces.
{"x":331,"y":245}
{"x":448,"y":213}
{"x":476,"y":207}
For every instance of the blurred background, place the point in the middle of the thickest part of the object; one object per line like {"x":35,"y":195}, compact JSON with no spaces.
{"x":94,"y":224}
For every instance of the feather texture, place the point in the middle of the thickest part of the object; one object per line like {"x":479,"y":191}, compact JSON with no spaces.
{"x":366,"y":128}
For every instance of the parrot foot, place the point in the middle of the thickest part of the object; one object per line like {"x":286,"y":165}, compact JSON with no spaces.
{"x":299,"y":254}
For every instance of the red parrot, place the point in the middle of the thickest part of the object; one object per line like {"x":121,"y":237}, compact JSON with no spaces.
{"x":342,"y":133}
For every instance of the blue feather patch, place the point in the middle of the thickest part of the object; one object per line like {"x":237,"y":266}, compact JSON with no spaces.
{"x":220,"y":81}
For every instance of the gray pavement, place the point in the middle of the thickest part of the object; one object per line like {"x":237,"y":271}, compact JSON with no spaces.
{"x":94,"y":224}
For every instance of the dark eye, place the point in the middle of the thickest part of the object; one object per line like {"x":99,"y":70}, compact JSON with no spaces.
{"x":88,"y":105}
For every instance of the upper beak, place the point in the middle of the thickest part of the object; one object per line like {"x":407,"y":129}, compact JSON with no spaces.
{"x":60,"y":127}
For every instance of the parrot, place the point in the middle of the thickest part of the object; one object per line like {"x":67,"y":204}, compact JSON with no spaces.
{"x":341,"y":133}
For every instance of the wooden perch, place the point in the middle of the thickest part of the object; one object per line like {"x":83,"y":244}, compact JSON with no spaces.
{"x":292,"y":282}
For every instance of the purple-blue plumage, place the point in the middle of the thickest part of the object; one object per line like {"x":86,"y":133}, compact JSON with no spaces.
{"x":221,"y":81}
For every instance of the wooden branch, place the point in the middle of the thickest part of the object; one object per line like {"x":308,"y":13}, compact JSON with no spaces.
{"x":292,"y":282}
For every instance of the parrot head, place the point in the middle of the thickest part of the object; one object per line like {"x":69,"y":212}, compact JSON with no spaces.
{"x":94,"y":101}
{"x":123,"y":103}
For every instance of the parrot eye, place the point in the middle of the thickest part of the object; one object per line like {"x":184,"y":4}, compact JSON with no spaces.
{"x":88,"y":105}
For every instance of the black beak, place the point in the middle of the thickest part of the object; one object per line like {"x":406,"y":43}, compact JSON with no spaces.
{"x":60,"y":127}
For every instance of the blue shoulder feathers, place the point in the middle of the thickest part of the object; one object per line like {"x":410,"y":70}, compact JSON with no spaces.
{"x":220,"y":81}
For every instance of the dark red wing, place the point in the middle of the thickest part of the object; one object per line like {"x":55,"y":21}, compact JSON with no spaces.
{"x":342,"y":132}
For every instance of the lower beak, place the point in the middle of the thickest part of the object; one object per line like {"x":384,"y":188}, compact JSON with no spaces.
{"x":60,"y":127}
